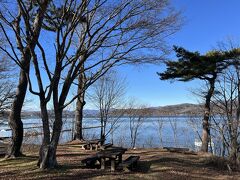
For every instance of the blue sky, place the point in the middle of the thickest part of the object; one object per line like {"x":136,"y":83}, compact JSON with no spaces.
{"x":207,"y":22}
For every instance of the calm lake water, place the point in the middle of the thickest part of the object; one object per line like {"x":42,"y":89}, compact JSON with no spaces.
{"x":153,"y":132}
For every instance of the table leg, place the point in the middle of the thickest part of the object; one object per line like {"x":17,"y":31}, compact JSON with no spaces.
{"x":120,"y":158}
{"x":87,"y":147}
{"x":113,"y":165}
{"x":102,"y":163}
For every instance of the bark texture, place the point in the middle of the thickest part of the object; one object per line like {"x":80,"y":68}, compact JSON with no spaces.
{"x":47,"y":152}
{"x":78,"y":132}
{"x":45,"y":149}
{"x":14,"y":120}
{"x":207,"y":111}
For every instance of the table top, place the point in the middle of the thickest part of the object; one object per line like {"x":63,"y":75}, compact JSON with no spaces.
{"x":115,"y":148}
{"x":93,"y":142}
{"x":112,"y":152}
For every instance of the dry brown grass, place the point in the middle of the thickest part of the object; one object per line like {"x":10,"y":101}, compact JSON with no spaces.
{"x":154,"y":164}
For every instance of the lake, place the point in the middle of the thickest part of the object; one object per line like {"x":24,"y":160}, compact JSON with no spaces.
{"x":177,"y":131}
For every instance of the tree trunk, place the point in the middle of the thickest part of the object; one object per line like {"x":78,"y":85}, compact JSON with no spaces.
{"x":78,"y":133}
{"x":223,"y":146}
{"x":47,"y":154}
{"x":102,"y":135}
{"x":134,"y":138}
{"x":103,"y":138}
{"x":14,"y":120}
{"x":207,"y":110}
{"x":47,"y":157}
{"x":45,"y":149}
{"x":234,"y":152}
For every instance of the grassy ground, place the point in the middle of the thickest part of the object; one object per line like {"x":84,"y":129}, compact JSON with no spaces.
{"x":154,"y":164}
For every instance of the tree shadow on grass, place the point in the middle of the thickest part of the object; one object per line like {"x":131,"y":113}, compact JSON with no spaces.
{"x":73,"y":155}
{"x":186,"y":168}
{"x":17,"y":161}
{"x":142,"y":167}
{"x":151,"y":165}
{"x":66,"y":171}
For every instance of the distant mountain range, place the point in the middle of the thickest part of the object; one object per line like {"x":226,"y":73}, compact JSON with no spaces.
{"x":170,"y":110}
{"x":179,"y":109}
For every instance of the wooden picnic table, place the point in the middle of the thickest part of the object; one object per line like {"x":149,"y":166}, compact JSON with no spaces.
{"x":114,"y":154}
{"x":87,"y":144}
{"x":94,"y":144}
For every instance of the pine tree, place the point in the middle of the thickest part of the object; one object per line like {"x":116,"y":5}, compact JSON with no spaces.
{"x":192,"y":65}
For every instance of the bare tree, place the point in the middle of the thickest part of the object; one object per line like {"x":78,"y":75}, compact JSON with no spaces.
{"x":7,"y":87}
{"x":194,"y":122}
{"x":21,"y":34}
{"x":149,"y":142}
{"x":159,"y":124}
{"x":219,"y":126}
{"x":173,"y":123}
{"x":136,"y":115}
{"x":227,"y":104}
{"x":116,"y":33}
{"x":108,"y":95}
{"x":118,"y":40}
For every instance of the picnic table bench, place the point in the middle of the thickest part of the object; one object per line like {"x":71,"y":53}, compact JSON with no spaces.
{"x":105,"y":146}
{"x":3,"y":148}
{"x":90,"y":161}
{"x":129,"y":163}
{"x":174,"y":149}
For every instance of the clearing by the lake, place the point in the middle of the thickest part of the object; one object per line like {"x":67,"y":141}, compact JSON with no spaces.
{"x":153,"y":164}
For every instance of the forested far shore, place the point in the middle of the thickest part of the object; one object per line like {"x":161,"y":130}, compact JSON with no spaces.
{"x":170,"y":110}
{"x":185,"y":109}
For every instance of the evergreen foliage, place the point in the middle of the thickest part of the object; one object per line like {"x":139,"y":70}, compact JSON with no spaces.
{"x":192,"y":65}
